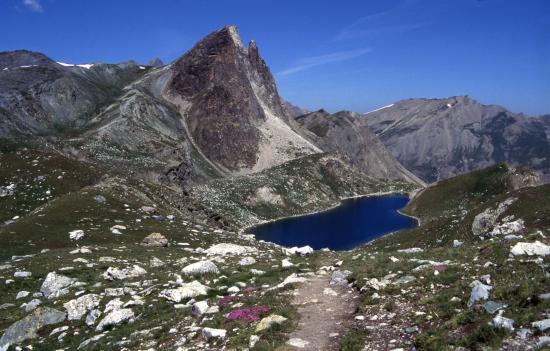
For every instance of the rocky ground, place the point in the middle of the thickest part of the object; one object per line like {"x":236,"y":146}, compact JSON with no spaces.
{"x":93,"y":261}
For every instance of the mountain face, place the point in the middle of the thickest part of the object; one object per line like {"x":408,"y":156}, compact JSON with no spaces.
{"x":348,"y":134}
{"x":440,"y":138}
{"x":40,"y":96}
{"x":230,"y":105}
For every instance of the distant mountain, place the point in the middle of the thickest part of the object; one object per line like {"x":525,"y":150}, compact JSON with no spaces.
{"x":348,"y":134}
{"x":440,"y":138}
{"x":156,"y":62}
{"x":293,"y":110}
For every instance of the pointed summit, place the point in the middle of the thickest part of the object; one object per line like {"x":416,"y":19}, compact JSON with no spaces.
{"x":226,"y":93}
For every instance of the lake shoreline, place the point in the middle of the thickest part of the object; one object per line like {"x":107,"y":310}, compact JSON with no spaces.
{"x":410,"y":195}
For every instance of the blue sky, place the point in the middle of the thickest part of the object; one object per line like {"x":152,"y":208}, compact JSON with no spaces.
{"x":354,"y":55}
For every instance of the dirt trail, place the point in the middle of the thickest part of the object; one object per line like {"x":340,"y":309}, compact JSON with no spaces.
{"x":326,"y":312}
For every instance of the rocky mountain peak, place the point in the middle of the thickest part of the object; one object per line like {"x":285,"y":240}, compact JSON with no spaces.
{"x":156,"y":62}
{"x":226,"y":93}
{"x":21,"y":58}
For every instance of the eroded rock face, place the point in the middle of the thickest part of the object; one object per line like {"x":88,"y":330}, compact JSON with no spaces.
{"x":349,"y":134}
{"x":440,"y":138}
{"x":215,"y":77}
{"x":27,"y":327}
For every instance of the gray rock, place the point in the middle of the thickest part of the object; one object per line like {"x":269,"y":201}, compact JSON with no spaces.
{"x":479,"y":292}
{"x":27,"y":327}
{"x":492,"y":307}
{"x":31,"y":305}
{"x":405,"y":280}
{"x":541,"y":325}
{"x":92,"y":317}
{"x":113,"y":273}
{"x":155,"y":239}
{"x":201,"y":267}
{"x":100,"y":199}
{"x":339,"y":278}
{"x":77,"y":308}
{"x":209,"y":333}
{"x":116,"y":317}
{"x":56,"y":285}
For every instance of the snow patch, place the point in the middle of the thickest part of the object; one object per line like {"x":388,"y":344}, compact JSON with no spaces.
{"x":378,"y":109}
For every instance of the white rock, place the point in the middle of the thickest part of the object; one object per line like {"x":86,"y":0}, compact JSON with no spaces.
{"x":411,"y":250}
{"x":541,"y":325}
{"x":479,"y":292}
{"x":291,"y":279}
{"x":199,"y":308}
{"x":22,"y":294}
{"x":233,"y":290}
{"x":253,"y":340}
{"x":230,"y":249}
{"x":304,"y":250}
{"x":186,"y":291}
{"x":296,"y":342}
{"x":531,"y":249}
{"x":92,"y":317}
{"x":247,"y":261}
{"x":209,"y":333}
{"x":113,"y":273}
{"x":116,"y":317}
{"x":503,"y":322}
{"x":155,"y":262}
{"x":77,"y":308}
{"x":31,"y":305}
{"x":457,"y":243}
{"x":269,"y":321}
{"x":508,"y":228}
{"x":286,"y":263}
{"x":76,"y":234}
{"x":201,"y":267}
{"x":22,"y":274}
{"x":56,"y":285}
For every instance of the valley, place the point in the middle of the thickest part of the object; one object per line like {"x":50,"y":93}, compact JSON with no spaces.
{"x":128,"y":193}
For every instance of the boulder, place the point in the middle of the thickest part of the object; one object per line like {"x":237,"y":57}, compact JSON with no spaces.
{"x":113,"y":273}
{"x":76,"y":234}
{"x":508,"y":228}
{"x":531,"y":249}
{"x":304,"y":250}
{"x":155,"y":239}
{"x":209,"y":333}
{"x":339,"y":278}
{"x":78,"y":307}
{"x":201,"y":267}
{"x":269,"y":321}
{"x":503,"y":322}
{"x":199,"y":308}
{"x":27,"y":327}
{"x":542,"y":325}
{"x":116,"y":317}
{"x":479,"y":292}
{"x":56,"y":285}
{"x":186,"y":291}
{"x":230,"y":249}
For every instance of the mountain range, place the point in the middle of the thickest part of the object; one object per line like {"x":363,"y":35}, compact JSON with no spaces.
{"x":215,"y":112}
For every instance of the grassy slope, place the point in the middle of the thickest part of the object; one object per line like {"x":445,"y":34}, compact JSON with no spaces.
{"x":446,"y":211}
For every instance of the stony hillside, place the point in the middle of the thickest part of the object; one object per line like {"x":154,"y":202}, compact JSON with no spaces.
{"x":439,"y":138}
{"x":347,"y":133}
{"x":300,"y":186}
{"x":473,"y":276}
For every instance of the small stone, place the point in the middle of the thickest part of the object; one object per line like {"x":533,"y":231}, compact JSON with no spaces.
{"x":199,"y":308}
{"x":76,"y":234}
{"x":296,"y":342}
{"x":286,"y":263}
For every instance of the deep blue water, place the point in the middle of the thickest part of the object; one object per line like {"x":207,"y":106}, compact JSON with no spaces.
{"x":354,"y":222}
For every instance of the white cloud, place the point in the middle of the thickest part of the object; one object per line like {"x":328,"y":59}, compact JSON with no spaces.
{"x":314,"y":61}
{"x":34,"y":5}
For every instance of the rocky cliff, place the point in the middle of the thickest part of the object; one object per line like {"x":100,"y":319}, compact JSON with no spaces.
{"x":439,"y":138}
{"x":348,"y":134}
